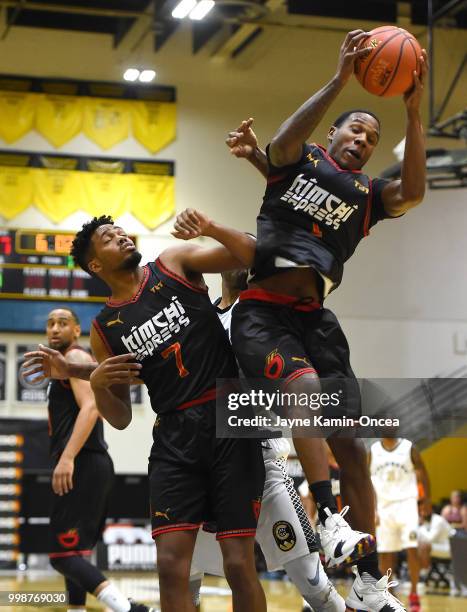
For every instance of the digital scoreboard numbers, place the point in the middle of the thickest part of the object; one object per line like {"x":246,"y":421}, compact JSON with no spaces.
{"x":36,"y":265}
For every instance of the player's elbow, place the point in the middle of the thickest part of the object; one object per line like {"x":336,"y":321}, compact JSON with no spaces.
{"x":120,"y":422}
{"x":413,"y":196}
{"x":282,"y":152}
{"x":118,"y":418}
{"x":413,"y":201}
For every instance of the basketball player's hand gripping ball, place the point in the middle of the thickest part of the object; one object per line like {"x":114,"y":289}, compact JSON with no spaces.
{"x":394,"y":59}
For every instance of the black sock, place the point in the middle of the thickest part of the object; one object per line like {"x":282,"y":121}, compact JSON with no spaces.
{"x":322,"y":494}
{"x":369,"y":564}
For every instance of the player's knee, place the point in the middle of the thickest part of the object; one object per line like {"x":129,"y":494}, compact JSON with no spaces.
{"x":306,"y":383}
{"x":171,"y":567}
{"x":65,"y":565}
{"x":238,"y":570}
{"x":83,"y":573}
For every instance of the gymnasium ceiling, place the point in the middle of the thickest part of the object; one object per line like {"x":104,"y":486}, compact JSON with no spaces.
{"x":235,"y":23}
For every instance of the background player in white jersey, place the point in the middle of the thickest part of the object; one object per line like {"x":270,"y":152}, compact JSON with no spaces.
{"x":284,"y":531}
{"x":396,"y":467}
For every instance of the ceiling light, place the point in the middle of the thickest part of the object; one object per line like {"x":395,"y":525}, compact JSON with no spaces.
{"x":183,"y":8}
{"x":147,"y":76}
{"x":131,"y":74}
{"x":201,"y":9}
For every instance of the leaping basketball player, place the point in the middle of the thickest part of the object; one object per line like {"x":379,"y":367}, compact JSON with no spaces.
{"x":317,"y":207}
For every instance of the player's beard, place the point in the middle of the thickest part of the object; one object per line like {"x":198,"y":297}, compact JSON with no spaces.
{"x":62,"y":346}
{"x":131,"y":262}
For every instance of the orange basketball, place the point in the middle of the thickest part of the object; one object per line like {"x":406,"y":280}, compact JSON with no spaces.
{"x":388,"y":68}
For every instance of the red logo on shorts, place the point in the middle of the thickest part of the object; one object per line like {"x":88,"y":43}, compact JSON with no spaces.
{"x":274,"y":365}
{"x":256,"y":503}
{"x":69,"y":539}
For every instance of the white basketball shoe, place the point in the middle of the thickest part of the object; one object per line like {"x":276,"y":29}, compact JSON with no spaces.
{"x":372,"y":596}
{"x":340,"y":543}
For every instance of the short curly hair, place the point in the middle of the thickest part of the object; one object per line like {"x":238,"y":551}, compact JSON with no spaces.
{"x":81,"y":245}
{"x":344,"y":116}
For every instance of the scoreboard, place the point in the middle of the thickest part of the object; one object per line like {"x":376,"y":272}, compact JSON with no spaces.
{"x":37,"y":265}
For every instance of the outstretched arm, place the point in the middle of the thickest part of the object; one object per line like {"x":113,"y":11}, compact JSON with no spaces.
{"x":243,"y":143}
{"x":49,"y":363}
{"x":399,"y":196}
{"x":237,"y":250}
{"x":286,"y":145}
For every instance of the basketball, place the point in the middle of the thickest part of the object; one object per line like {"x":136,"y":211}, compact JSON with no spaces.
{"x":388,"y":69}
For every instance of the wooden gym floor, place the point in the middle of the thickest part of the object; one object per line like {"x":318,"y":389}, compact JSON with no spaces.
{"x":281,"y":596}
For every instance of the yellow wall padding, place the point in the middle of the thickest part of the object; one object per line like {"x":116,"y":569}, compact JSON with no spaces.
{"x":445,"y":462}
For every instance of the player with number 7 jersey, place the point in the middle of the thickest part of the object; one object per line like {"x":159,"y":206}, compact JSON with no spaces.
{"x":164,"y":324}
{"x":160,"y":315}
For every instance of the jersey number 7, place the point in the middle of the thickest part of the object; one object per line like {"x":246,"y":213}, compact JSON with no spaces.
{"x":177,"y":350}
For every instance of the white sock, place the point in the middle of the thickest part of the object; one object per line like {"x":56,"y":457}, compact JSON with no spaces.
{"x":115,"y":600}
{"x":76,"y":610}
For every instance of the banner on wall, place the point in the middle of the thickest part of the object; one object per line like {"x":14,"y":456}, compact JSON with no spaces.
{"x":58,"y":186}
{"x":17,"y":111}
{"x":153,"y":124}
{"x":59,"y":118}
{"x":26,"y":392}
{"x":3,"y":350}
{"x":16,"y":190}
{"x":106,"y":113}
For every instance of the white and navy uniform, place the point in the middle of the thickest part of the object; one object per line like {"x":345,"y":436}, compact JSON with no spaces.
{"x":395,"y":483}
{"x":284,"y":531}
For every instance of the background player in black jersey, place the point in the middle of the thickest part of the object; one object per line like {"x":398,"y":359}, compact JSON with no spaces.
{"x":161,"y":314}
{"x":316,"y":209}
{"x":82,"y":476}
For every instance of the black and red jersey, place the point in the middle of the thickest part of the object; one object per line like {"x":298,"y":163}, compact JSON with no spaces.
{"x":63,"y":412}
{"x":173,"y":329}
{"x":314,"y":213}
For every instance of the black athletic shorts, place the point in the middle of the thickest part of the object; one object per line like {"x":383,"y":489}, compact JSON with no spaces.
{"x":78,"y":517}
{"x":281,"y":337}
{"x":196,"y":478}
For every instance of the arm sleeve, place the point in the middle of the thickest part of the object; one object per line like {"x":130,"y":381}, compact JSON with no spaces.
{"x":283,"y":170}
